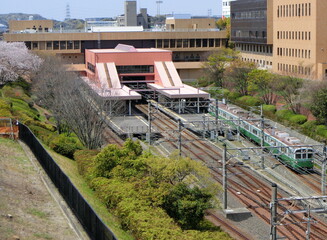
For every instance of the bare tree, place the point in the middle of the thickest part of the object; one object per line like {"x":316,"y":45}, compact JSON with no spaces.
{"x":74,"y":104}
{"x":15,"y":61}
{"x":288,"y":88}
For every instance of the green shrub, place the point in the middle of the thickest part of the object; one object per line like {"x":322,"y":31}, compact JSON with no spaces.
{"x":233,"y":95}
{"x":66,"y":145}
{"x":106,"y":160}
{"x":49,"y":127}
{"x":85,"y":161}
{"x":269,"y":108}
{"x":5,"y":108}
{"x":187,"y":205}
{"x":43,"y":134}
{"x":249,"y":101}
{"x":310,"y":125}
{"x":298,"y":119}
{"x":284,"y":114}
{"x":321,"y":130}
{"x":21,"y":82}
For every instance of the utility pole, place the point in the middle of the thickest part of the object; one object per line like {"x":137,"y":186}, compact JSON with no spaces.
{"x":262,"y":139}
{"x":217,"y":117}
{"x":204,"y":127}
{"x":273,"y":207}
{"x":180,"y":137}
{"x":307,"y":233}
{"x":149,"y":120}
{"x":323,"y":171}
{"x":225,"y":177}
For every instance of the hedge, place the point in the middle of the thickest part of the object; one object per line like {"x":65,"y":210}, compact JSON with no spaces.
{"x":284,"y":114}
{"x":269,"y":108}
{"x":249,"y":101}
{"x":66,"y":145}
{"x":298,"y":119}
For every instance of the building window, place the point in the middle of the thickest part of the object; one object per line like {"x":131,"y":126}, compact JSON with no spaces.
{"x":192,"y":43}
{"x":135,"y":69}
{"x":198,"y":43}
{"x":91,"y":67}
{"x":69,"y":44}
{"x":166,"y":43}
{"x":76,"y":45}
{"x":211,"y":42}
{"x":159,"y":43}
{"x":179,"y":43}
{"x":172,"y":43}
{"x":49,"y":45}
{"x":55,"y":45}
{"x":35,"y":45}
{"x":63,"y":45}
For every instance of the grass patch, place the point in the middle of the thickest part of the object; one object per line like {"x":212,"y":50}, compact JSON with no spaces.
{"x":42,"y":235}
{"x":38,"y":213}
{"x":70,"y":168}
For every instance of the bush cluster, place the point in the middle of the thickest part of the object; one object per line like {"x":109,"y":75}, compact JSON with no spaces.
{"x":249,"y":101}
{"x":66,"y":145}
{"x":141,"y":189}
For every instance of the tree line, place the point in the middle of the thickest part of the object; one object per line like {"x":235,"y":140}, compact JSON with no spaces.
{"x":226,"y":70}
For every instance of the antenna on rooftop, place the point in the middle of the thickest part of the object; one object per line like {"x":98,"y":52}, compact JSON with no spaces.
{"x":67,"y":12}
{"x":158,"y":7}
{"x":209,"y":12}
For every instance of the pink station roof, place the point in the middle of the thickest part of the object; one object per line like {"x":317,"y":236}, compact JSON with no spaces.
{"x":167,"y":80}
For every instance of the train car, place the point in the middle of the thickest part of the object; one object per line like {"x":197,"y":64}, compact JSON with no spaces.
{"x":290,"y":150}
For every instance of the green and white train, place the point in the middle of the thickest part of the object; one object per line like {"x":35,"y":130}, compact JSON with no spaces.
{"x":288,"y":149}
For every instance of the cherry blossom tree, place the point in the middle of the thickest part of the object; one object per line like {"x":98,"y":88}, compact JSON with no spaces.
{"x":16,"y":60}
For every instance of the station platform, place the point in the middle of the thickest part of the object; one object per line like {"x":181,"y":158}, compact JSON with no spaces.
{"x":130,"y":125}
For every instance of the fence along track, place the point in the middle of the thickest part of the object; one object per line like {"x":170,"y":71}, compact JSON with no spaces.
{"x":91,"y":222}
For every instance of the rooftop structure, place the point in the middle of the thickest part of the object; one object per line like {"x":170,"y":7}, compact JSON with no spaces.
{"x":125,"y":72}
{"x":226,"y":8}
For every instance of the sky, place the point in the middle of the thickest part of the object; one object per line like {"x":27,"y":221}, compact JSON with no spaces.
{"x":107,"y":8}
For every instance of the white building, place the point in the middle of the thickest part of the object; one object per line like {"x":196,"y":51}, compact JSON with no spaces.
{"x":226,"y":8}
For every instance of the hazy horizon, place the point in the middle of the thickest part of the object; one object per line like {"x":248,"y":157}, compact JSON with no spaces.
{"x":101,"y":8}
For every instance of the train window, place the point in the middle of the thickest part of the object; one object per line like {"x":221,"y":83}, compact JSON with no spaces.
{"x":298,"y":156}
{"x":310,"y":155}
{"x":255,"y":132}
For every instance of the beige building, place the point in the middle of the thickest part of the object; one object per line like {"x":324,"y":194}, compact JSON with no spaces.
{"x":300,"y":39}
{"x":190,"y":47}
{"x":295,"y":35}
{"x":192,"y":23}
{"x":30,"y":26}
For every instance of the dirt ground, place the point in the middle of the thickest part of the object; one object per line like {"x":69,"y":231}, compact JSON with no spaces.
{"x":27,"y":210}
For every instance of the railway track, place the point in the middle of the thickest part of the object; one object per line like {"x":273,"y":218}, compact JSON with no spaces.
{"x":252,"y":191}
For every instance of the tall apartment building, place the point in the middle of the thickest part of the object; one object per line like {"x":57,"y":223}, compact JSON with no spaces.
{"x":295,"y":31}
{"x":226,"y":8}
{"x":251,"y":31}
{"x":300,"y":39}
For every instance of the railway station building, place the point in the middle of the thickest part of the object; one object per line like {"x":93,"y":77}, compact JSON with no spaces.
{"x":138,"y":74}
